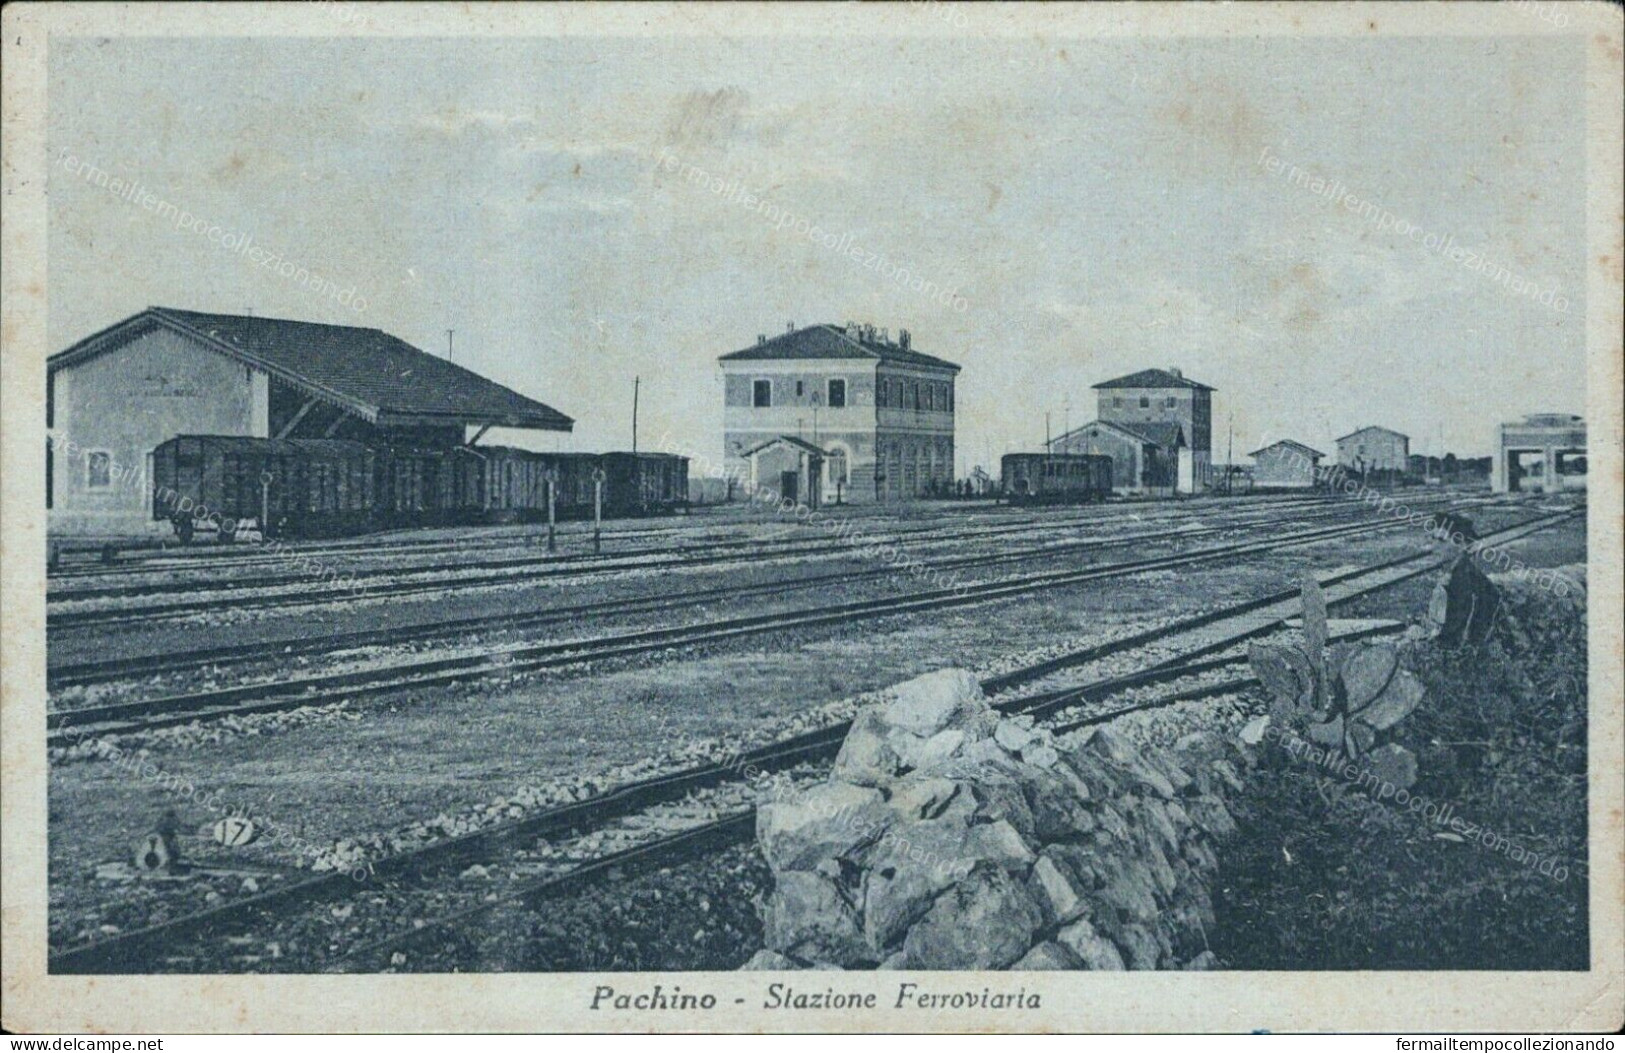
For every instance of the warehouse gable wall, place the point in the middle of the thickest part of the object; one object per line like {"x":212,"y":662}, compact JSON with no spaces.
{"x":121,"y":405}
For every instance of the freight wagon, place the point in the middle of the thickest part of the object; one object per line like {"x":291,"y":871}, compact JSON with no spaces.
{"x":1056,"y":478}
{"x":323,"y":487}
{"x":312,"y":487}
{"x":642,"y":484}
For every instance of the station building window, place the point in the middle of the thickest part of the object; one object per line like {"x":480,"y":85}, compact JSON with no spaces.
{"x":761,"y":393}
{"x":837,"y":393}
{"x":837,"y":467}
{"x":1145,"y":401}
{"x":98,"y":470}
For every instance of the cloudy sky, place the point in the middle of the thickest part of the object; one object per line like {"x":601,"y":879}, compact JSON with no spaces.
{"x":1097,"y":207}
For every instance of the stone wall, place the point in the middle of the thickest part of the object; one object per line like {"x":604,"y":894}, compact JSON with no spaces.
{"x":949,"y":837}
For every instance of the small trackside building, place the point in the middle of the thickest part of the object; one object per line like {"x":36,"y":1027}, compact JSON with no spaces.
{"x":1543,"y":453}
{"x":114,"y":397}
{"x":880,"y":412}
{"x":1145,"y":456}
{"x":1375,"y":449}
{"x":1286,"y":465}
{"x":789,"y":467}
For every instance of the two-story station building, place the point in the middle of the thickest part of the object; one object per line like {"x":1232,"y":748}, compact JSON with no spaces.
{"x":880,"y":412}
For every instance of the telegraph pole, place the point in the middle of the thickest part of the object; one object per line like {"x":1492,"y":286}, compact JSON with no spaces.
{"x":449,"y":333}
{"x":637,"y":382}
{"x":1230,"y":456}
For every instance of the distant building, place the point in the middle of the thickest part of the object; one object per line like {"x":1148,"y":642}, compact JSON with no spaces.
{"x":114,"y":397}
{"x":1165,"y":397}
{"x":1374,"y":449}
{"x":1544,"y":452}
{"x":881,"y":412}
{"x":1145,"y":457}
{"x":1285,"y":464}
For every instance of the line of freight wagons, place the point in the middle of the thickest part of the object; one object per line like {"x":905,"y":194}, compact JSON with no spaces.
{"x":329,"y":487}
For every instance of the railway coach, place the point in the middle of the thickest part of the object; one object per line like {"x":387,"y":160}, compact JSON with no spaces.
{"x":1056,"y":478}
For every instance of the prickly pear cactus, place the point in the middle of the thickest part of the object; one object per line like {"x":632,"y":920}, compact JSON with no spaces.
{"x":1344,"y":700}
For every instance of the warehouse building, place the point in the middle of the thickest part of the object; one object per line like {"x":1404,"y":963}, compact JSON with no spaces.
{"x":1543,"y":453}
{"x":1145,"y":457}
{"x":114,"y":397}
{"x":1286,"y":465}
{"x":879,"y":412}
{"x":1375,"y":449}
{"x":1160,"y":397}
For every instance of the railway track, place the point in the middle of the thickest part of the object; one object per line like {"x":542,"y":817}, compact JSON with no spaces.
{"x":102,"y":670}
{"x":67,"y":726}
{"x":228,"y":557}
{"x":1213,"y":633}
{"x":498,"y":572}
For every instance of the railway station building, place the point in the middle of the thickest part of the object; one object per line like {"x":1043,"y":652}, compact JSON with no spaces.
{"x":1543,"y":453}
{"x":114,"y":397}
{"x":1163,"y":403}
{"x":879,"y":411}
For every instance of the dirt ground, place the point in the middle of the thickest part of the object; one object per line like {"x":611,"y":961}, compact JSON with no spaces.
{"x":415,"y":756}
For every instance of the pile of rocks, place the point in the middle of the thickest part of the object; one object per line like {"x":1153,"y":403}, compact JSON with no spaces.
{"x":947,"y":837}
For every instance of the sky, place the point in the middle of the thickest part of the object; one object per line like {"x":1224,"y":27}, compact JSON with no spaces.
{"x":1081,"y":209}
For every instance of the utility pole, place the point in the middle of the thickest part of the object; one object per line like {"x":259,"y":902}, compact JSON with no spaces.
{"x":1046,"y":431}
{"x":449,"y":333}
{"x":1230,"y":456}
{"x":637,"y":383}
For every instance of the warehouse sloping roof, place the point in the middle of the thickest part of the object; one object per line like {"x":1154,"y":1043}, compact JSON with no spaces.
{"x":834,"y":341}
{"x":1153,"y":378}
{"x":379,"y":377}
{"x":1373,"y":427}
{"x":1168,"y":436}
{"x":1308,"y":451}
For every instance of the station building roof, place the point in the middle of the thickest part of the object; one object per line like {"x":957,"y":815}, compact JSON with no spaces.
{"x":837,"y":341}
{"x":1153,"y":378}
{"x":378,"y":377}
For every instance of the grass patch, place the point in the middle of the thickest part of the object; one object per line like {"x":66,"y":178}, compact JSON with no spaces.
{"x":1324,"y":877}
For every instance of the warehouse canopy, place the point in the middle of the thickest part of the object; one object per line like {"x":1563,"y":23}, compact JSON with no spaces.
{"x":378,"y":377}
